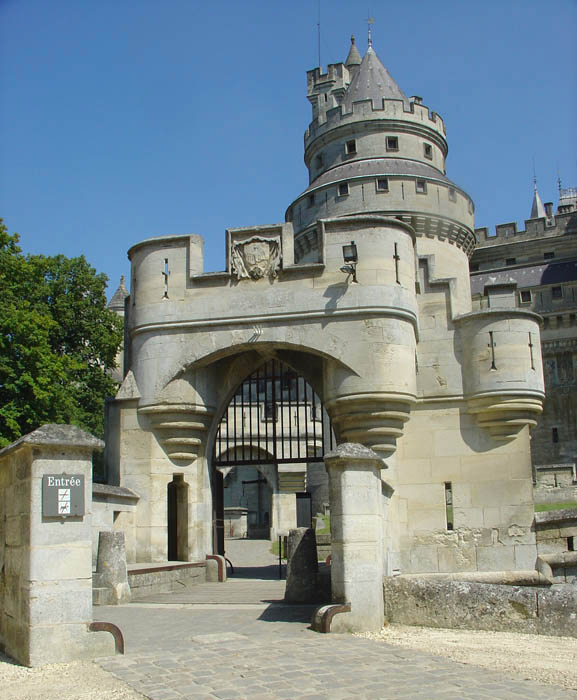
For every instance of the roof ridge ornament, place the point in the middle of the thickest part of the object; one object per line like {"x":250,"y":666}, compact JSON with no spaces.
{"x":370,"y":21}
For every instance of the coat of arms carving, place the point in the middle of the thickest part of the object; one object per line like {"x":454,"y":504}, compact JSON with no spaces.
{"x":255,"y":258}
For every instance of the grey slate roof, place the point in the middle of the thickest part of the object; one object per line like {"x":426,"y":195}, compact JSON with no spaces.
{"x":372,"y":81}
{"x":537,"y":210}
{"x":378,"y":166}
{"x":354,"y":57}
{"x":117,"y":301}
{"x":532,"y":276}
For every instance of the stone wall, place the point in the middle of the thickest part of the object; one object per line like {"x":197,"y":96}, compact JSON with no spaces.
{"x":464,"y":605}
{"x":152,"y":579}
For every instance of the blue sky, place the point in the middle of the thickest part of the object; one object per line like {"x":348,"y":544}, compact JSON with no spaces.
{"x":124,"y":119}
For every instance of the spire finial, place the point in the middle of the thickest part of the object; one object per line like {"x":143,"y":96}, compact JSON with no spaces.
{"x":370,"y":21}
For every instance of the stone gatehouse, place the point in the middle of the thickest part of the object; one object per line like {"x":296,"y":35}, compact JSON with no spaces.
{"x":362,"y":295}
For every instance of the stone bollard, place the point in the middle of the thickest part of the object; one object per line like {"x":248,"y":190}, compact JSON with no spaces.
{"x":111,"y":572}
{"x":302,"y":567}
{"x":356,"y":523}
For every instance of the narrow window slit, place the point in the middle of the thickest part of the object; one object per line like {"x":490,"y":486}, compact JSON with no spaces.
{"x":165,"y":274}
{"x":449,"y":504}
{"x":492,"y":346}
{"x":396,"y":258}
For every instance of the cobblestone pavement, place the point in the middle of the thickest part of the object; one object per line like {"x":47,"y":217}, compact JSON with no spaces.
{"x":237,"y":640}
{"x":257,"y":650}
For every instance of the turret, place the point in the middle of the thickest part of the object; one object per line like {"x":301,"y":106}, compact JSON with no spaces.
{"x":369,"y":148}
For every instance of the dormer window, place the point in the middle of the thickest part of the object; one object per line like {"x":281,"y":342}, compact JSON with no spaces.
{"x":421,"y":186}
{"x":392,"y":143}
{"x":428,"y":151}
{"x":525,"y":296}
{"x":452,"y":194}
{"x":351,"y":147}
{"x":319,"y":161}
{"x":343,"y":189}
{"x":382,"y":184}
{"x":310,"y":201}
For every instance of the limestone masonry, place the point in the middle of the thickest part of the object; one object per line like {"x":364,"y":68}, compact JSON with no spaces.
{"x":401,"y":361}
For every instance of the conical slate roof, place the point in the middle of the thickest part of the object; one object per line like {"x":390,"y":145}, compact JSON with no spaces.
{"x":354,"y":57}
{"x":372,"y":81}
{"x":117,"y":301}
{"x":537,"y":210}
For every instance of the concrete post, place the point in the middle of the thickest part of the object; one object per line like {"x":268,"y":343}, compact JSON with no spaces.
{"x":356,"y":522}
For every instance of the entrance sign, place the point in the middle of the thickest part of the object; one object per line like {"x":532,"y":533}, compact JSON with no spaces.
{"x":62,"y":495}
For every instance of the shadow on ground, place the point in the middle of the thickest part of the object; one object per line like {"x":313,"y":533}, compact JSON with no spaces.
{"x":288,"y":613}
{"x":263,"y":573}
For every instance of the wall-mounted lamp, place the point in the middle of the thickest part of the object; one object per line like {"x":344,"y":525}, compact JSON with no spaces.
{"x":351,"y":258}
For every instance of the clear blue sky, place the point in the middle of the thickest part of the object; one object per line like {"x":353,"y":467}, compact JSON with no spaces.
{"x":124,"y":119}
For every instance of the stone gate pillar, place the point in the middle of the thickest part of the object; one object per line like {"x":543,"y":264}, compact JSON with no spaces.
{"x":46,"y":548}
{"x":356,"y":534}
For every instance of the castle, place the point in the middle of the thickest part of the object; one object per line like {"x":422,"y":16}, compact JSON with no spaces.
{"x":352,"y":321}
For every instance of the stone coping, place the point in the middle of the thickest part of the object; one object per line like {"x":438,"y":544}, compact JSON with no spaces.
{"x":103,"y":491}
{"x":56,"y":435}
{"x":555,"y":516}
{"x":154,"y":567}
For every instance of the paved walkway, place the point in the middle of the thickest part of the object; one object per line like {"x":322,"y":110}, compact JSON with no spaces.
{"x":229,"y":641}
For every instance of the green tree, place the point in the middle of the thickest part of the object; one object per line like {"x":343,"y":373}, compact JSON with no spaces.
{"x":58,"y":342}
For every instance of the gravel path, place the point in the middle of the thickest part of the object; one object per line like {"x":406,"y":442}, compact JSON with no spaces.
{"x":551,"y":660}
{"x":81,"y":680}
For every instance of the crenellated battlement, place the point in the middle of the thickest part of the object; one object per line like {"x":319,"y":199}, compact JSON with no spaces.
{"x":548,"y":226}
{"x":366,"y":110}
{"x":337,"y":75}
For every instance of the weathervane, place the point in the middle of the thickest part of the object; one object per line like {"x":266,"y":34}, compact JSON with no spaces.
{"x":370,"y":21}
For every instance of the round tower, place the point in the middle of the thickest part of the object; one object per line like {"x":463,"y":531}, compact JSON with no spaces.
{"x":372,"y":150}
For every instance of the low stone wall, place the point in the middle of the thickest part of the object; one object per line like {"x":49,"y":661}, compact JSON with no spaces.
{"x":464,"y":605}
{"x":162,"y":578}
{"x":114,"y":508}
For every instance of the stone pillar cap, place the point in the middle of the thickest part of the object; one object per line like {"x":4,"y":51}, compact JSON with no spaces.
{"x":54,"y":434}
{"x":352,"y":450}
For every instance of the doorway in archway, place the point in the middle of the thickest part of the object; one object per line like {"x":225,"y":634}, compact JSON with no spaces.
{"x":273,"y":430}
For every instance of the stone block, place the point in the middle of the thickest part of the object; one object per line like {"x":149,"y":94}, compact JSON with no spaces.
{"x":423,"y":559}
{"x":446,"y":469}
{"x":428,"y":519}
{"x":61,"y":562}
{"x":62,"y":643}
{"x":468,"y":517}
{"x":457,"y":558}
{"x":491,"y":517}
{"x":496,"y":558}
{"x":416,"y":471}
{"x":56,"y":605}
{"x":525,"y":556}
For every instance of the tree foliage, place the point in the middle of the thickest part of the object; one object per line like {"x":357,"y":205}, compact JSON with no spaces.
{"x":58,"y":342}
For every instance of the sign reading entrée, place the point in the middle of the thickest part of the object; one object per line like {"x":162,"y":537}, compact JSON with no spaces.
{"x":62,"y":495}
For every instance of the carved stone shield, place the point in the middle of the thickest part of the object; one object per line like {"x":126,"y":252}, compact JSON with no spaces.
{"x":255,"y":258}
